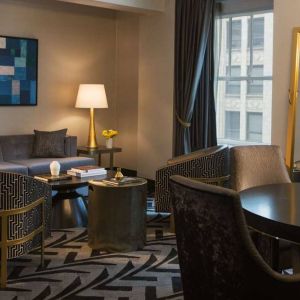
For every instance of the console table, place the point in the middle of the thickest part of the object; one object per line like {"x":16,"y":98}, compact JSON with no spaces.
{"x":98,"y":151}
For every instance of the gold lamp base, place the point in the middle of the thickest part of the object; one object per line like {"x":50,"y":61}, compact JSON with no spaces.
{"x":92,"y":141}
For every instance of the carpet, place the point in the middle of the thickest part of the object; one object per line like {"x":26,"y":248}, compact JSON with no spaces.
{"x":74,"y":271}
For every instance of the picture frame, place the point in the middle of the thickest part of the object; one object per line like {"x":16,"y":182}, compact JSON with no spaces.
{"x":18,"y":71}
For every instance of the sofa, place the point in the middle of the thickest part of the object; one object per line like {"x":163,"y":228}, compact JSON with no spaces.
{"x":16,"y":155}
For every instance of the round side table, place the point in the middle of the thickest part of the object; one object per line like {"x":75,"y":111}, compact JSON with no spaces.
{"x":117,"y":216}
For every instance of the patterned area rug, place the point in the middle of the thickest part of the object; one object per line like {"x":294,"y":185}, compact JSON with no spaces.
{"x":73,"y":271}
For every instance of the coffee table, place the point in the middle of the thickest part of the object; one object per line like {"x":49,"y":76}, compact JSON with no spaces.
{"x":69,"y":207}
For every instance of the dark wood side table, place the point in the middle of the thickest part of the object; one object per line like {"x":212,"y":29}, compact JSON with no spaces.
{"x":98,"y":151}
{"x":117,"y":216}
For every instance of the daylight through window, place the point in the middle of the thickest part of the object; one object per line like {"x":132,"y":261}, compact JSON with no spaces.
{"x":244,"y":79}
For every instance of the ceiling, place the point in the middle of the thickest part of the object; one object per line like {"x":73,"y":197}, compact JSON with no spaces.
{"x":127,"y":5}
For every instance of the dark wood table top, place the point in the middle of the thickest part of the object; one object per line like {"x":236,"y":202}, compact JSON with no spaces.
{"x":76,"y":182}
{"x":99,"y":149}
{"x":274,"y":209}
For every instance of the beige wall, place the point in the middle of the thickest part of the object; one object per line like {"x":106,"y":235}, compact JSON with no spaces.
{"x":156,"y":74}
{"x":76,"y":45}
{"x":286,"y":16}
{"x":132,"y":55}
{"x":127,"y":64}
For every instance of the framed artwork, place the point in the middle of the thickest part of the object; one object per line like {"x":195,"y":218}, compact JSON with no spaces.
{"x":18,"y":71}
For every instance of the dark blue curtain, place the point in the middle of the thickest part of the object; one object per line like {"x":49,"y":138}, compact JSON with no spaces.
{"x":195,"y":120}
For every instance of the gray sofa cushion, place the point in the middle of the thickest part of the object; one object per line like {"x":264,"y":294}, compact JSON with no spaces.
{"x":1,"y":156}
{"x":13,"y":168}
{"x":49,"y":143}
{"x":41,"y":165}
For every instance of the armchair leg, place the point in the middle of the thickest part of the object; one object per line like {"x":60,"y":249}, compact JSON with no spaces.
{"x":43,"y":236}
{"x":43,"y":250}
{"x":3,"y":272}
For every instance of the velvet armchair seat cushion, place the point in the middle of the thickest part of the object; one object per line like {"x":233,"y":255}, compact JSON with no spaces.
{"x":49,"y":143}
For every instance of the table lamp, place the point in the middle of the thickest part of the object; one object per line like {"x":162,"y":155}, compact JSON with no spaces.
{"x":91,"y":96}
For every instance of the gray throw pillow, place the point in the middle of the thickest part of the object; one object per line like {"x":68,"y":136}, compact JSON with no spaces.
{"x":49,"y":143}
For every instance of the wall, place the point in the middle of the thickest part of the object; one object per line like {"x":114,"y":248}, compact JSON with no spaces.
{"x":286,"y":16}
{"x":76,"y":45}
{"x":156,"y":74}
{"x":131,"y":54}
{"x":127,"y":65}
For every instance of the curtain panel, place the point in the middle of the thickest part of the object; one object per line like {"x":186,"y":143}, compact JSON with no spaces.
{"x":195,"y":121}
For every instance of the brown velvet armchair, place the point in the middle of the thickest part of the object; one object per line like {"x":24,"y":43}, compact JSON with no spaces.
{"x":217,"y":257}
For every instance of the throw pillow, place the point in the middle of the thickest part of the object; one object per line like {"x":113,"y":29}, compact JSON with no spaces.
{"x":49,"y":143}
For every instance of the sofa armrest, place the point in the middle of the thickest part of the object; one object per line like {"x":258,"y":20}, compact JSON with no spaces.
{"x":71,"y":145}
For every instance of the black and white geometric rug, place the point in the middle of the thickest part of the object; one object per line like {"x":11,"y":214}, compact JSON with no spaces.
{"x":74,"y":271}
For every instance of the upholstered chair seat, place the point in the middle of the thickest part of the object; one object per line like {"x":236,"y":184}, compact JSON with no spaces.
{"x":218,"y":260}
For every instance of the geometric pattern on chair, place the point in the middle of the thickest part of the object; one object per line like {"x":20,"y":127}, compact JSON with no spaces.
{"x":18,"y":191}
{"x":212,"y":162}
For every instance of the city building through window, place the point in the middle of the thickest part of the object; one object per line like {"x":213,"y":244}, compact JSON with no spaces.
{"x":244,"y":78}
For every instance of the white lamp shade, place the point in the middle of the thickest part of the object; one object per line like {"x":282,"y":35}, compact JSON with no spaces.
{"x":91,"y":96}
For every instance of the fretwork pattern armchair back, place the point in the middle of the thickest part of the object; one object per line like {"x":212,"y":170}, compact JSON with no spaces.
{"x":25,"y":207}
{"x":212,"y":162}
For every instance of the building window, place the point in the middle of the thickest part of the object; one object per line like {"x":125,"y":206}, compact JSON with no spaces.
{"x":244,"y":77}
{"x":234,"y":34}
{"x":232,"y":125}
{"x":255,"y":85}
{"x":233,"y":86}
{"x":257,"y":32}
{"x":254,"y":127}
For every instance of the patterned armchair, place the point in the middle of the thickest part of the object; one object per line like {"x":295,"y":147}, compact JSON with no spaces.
{"x":210,"y":165}
{"x":25,"y":208}
{"x":217,"y":257}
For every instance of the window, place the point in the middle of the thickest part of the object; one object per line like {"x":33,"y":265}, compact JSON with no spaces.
{"x":233,"y":87}
{"x":255,"y":87}
{"x":258,"y":28}
{"x":244,"y":78}
{"x":234,"y":34}
{"x":254,"y":126}
{"x":232,"y":125}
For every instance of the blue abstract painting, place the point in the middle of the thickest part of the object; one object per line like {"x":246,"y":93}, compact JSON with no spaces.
{"x":18,"y":71}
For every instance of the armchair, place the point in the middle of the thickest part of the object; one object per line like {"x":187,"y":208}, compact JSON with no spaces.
{"x":217,"y":257}
{"x":25,"y":217}
{"x":210,"y":165}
